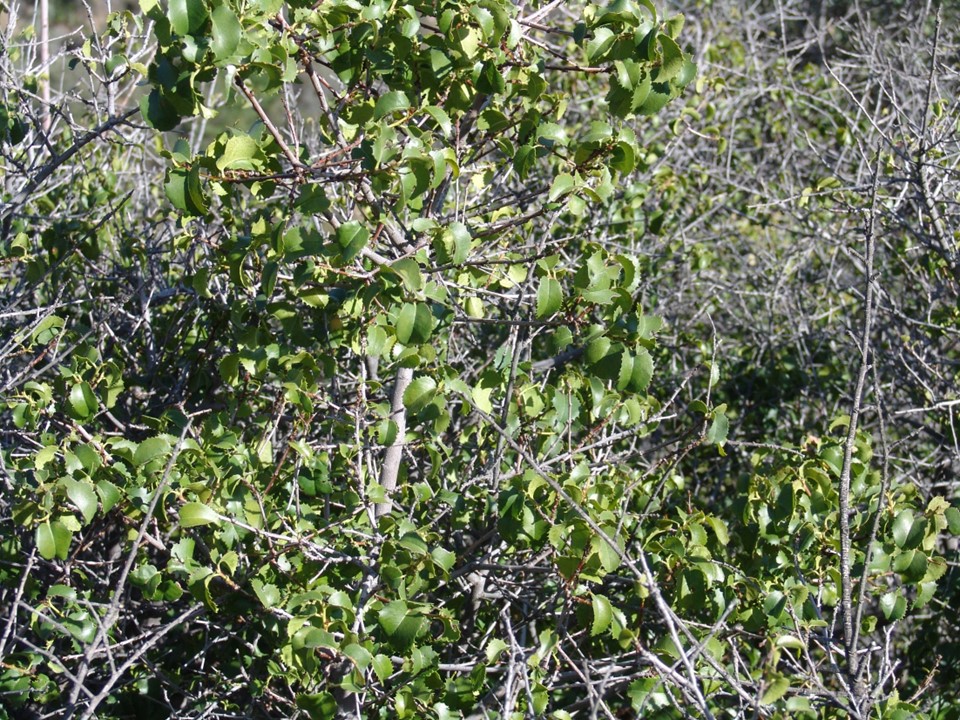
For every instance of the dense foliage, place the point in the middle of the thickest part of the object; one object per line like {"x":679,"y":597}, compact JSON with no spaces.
{"x":471,"y":359}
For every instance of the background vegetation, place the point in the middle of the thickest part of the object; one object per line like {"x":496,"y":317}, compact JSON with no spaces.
{"x":470,"y":359}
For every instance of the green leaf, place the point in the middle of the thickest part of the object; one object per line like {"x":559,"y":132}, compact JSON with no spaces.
{"x":908,"y":530}
{"x":237,"y":153}
{"x":84,"y":497}
{"x":414,"y":324}
{"x":150,"y":449}
{"x":549,"y":297}
{"x":193,"y":514}
{"x":392,"y":615}
{"x":182,"y":188}
{"x":46,"y":330}
{"x":186,"y":16}
{"x":672,"y":59}
{"x":485,"y":19}
{"x":49,"y":542}
{"x":953,"y":520}
{"x":409,"y":271}
{"x":319,"y":706}
{"x":493,"y":649}
{"x":419,"y":393}
{"x":562,"y":185}
{"x":552,"y":132}
{"x":717,"y":433}
{"x":623,"y":157}
{"x":383,"y":667}
{"x":458,"y":237}
{"x":440,"y":117}
{"x":912,"y":565}
{"x":775,"y":690}
{"x":83,"y":403}
{"x":313,"y":200}
{"x":674,"y":25}
{"x":53,"y":540}
{"x":159,"y":112}
{"x":268,"y":594}
{"x":359,"y":654}
{"x":400,"y":624}
{"x":598,"y":133}
{"x":655,"y":100}
{"x":642,"y":370}
{"x":609,"y":557}
{"x":602,"y":615}
{"x":226,"y":33}
{"x":444,"y":559}
{"x":474,"y":307}
{"x":893,"y":605}
{"x":109,"y":494}
{"x":925,"y":593}
{"x":603,"y":39}
{"x":390,"y":102}
{"x":352,"y":238}
{"x":46,"y":541}
{"x":687,"y":73}
{"x":482,"y":392}
{"x":719,"y":529}
{"x":626,"y":371}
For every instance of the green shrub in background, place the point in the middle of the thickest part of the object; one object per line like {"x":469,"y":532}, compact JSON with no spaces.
{"x":369,"y":409}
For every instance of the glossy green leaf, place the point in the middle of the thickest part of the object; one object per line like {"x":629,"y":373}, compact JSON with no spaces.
{"x":226,"y":33}
{"x":493,"y":650}
{"x":912,"y":565}
{"x":775,"y":690}
{"x":552,"y":132}
{"x":440,"y":117}
{"x":655,"y":100}
{"x":562,"y":185}
{"x":908,"y":529}
{"x":238,"y":153}
{"x":151,"y":449}
{"x":953,"y":520}
{"x":458,"y":236}
{"x":352,"y":238}
{"x":419,"y":393}
{"x":893,"y":605}
{"x":609,"y":557}
{"x":184,"y":191}
{"x":414,"y":323}
{"x":602,"y":40}
{"x":360,"y":655}
{"x":719,"y":528}
{"x":82,"y":402}
{"x":717,"y":432}
{"x":642,"y":370}
{"x":382,"y":666}
{"x":109,"y":494}
{"x":602,"y":614}
{"x":400,"y":624}
{"x":267,"y":593}
{"x":549,"y":297}
{"x":53,"y":540}
{"x":389,"y":103}
{"x":443,"y":558}
{"x":318,"y":706}
{"x":47,"y":329}
{"x":186,"y":16}
{"x":84,"y":497}
{"x":597,"y":133}
{"x":409,"y":271}
{"x":194,"y":514}
{"x":672,"y":59}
